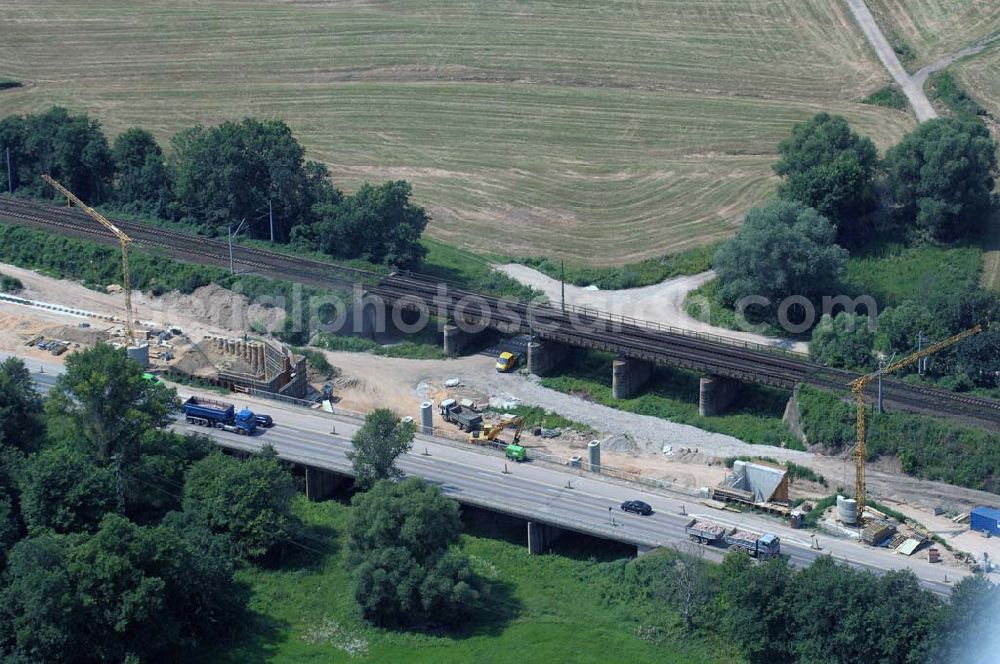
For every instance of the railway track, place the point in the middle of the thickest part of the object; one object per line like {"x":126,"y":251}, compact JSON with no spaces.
{"x":591,"y":329}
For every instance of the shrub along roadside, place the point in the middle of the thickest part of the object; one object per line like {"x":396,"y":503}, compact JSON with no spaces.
{"x":10,"y":284}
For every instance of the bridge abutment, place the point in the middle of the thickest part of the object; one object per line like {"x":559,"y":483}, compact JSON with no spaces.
{"x":716,"y":394}
{"x":628,"y":376}
{"x":544,"y":356}
{"x":541,"y":536}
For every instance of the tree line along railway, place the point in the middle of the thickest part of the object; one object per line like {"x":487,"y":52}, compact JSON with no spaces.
{"x":638,"y":344}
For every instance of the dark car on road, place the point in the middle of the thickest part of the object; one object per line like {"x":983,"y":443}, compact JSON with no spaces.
{"x":264,"y":421}
{"x":637,"y":507}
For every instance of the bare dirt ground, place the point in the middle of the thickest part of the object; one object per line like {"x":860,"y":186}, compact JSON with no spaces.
{"x":661,"y":303}
{"x":210,"y":310}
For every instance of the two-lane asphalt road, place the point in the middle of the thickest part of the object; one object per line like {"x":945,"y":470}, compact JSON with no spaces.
{"x":542,"y":492}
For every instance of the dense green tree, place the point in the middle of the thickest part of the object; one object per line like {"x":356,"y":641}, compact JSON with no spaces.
{"x":20,"y":406}
{"x":10,"y":530}
{"x":248,"y":501}
{"x":412,"y":515}
{"x":839,"y":618}
{"x":978,"y":357}
{"x":154,"y":478}
{"x":201,"y":595}
{"x":845,"y":341}
{"x":966,"y":630}
{"x":762,"y":628}
{"x":63,"y":490}
{"x":376,"y":223}
{"x":41,"y":613}
{"x":70,"y":148}
{"x":152,"y":594}
{"x":404,"y":571}
{"x":961,"y":306}
{"x":782,"y":249}
{"x":940,"y":177}
{"x":143,"y":182}
{"x":230,"y":172}
{"x":123,"y":600}
{"x":103,"y":402}
{"x":12,"y":139}
{"x":828,"y":167}
{"x":899,"y":328}
{"x":377,"y":445}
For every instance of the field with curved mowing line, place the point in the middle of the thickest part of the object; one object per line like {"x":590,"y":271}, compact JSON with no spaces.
{"x":600,"y":132}
{"x":935,"y":28}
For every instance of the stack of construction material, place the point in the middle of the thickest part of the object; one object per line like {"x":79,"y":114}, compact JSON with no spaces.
{"x":877,"y":532}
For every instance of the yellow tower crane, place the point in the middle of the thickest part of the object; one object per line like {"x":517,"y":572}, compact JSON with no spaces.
{"x":125,"y":241}
{"x":858,"y":387}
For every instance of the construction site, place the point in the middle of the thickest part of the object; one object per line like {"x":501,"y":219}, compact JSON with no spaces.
{"x":188,"y":345}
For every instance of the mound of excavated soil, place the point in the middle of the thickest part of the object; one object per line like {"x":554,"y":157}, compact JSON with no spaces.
{"x":217,"y":306}
{"x":85,"y":336}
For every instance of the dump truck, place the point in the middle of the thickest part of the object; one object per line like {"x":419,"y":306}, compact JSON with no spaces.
{"x":767,"y":545}
{"x":466,"y":418}
{"x":704,"y":532}
{"x":209,"y":413}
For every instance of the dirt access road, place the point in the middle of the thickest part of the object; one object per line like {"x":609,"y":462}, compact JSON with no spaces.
{"x":912,"y":88}
{"x":661,"y":303}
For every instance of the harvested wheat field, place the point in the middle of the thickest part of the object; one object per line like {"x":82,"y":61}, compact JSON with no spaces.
{"x":934,"y":28}
{"x":526,"y":128}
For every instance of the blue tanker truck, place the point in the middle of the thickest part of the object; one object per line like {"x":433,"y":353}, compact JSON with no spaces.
{"x":208,"y":413}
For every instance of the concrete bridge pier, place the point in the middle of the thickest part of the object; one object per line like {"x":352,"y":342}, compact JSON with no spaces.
{"x":320,"y":484}
{"x":628,"y":376}
{"x":544,"y":356}
{"x":541,"y":536}
{"x":716,"y":394}
{"x":455,"y":340}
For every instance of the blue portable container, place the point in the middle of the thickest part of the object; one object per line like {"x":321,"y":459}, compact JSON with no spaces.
{"x":985,"y":519}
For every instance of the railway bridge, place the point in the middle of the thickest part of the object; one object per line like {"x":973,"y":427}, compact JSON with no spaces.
{"x":638,"y":345}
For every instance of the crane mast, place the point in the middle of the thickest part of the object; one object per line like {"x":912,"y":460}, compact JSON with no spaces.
{"x":123,"y":239}
{"x":858,"y":387}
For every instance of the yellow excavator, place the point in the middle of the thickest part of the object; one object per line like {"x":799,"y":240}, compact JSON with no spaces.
{"x":514,"y":450}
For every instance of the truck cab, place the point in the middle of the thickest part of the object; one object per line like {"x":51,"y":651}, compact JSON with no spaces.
{"x":516,"y":453}
{"x":768,"y":546}
{"x":507,"y":362}
{"x":246,"y":422}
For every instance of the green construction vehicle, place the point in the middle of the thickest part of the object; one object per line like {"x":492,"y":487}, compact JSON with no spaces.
{"x":516,"y":453}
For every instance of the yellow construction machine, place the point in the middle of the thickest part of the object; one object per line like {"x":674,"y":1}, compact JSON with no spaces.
{"x":858,"y":387}
{"x":123,"y":239}
{"x":492,"y":432}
